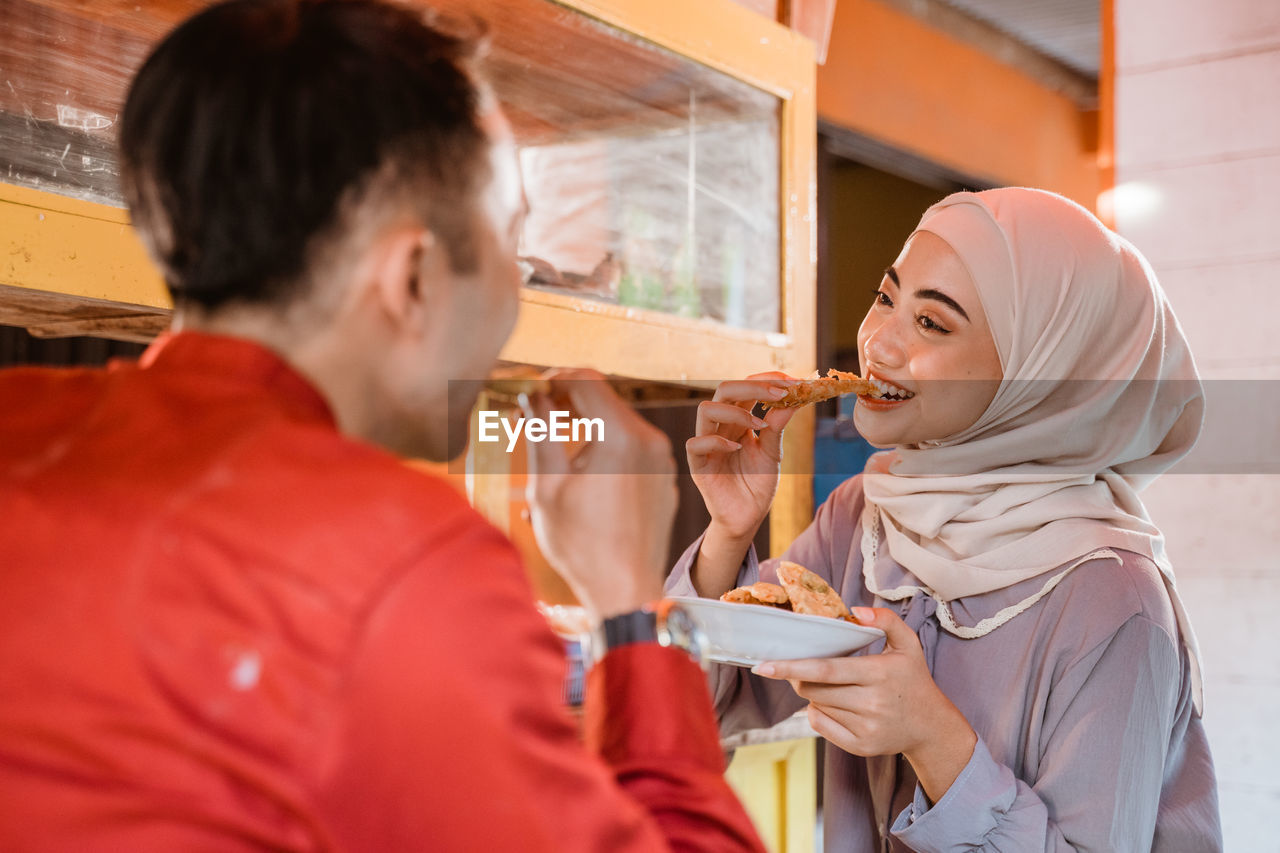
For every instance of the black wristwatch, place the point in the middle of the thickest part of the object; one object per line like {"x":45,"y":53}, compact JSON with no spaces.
{"x":665,"y":622}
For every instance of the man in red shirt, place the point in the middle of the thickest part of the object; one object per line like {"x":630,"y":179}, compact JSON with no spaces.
{"x":230,"y":619}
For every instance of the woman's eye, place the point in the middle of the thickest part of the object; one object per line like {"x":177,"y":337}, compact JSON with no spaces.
{"x":927,"y":322}
{"x":882,"y":298}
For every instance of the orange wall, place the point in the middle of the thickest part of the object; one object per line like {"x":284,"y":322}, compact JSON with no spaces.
{"x":899,"y":81}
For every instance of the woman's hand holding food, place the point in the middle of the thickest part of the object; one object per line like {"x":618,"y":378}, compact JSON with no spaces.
{"x":884,"y":704}
{"x":735,"y":459}
{"x":602,"y":511}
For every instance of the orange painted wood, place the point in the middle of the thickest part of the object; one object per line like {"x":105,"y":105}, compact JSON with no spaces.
{"x":904,"y":83}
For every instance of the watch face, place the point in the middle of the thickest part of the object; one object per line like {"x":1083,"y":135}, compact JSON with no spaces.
{"x":680,"y":622}
{"x":678,"y":628}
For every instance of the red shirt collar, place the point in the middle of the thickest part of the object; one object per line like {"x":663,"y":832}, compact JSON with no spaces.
{"x":238,"y":360}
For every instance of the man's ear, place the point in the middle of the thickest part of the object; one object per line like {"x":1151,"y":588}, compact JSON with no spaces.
{"x":408,"y":270}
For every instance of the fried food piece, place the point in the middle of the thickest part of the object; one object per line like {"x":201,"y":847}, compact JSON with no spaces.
{"x":809,"y":593}
{"x":801,"y":592}
{"x":819,"y":388}
{"x":768,"y":594}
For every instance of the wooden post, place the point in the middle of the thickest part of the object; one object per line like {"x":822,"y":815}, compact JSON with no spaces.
{"x":793,"y":506}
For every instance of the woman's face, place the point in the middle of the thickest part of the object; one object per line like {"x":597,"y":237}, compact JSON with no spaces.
{"x":926,"y":337}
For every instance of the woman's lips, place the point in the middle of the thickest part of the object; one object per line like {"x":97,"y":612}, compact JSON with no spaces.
{"x":879,"y":404}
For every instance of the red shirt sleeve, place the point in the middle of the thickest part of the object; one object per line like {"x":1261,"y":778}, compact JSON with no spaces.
{"x":649,"y":715}
{"x":449,"y":732}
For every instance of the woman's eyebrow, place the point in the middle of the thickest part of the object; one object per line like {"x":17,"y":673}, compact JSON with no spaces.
{"x":928,"y":293}
{"x":939,"y":296}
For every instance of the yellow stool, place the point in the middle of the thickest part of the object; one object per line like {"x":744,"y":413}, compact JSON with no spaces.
{"x":778,"y":784}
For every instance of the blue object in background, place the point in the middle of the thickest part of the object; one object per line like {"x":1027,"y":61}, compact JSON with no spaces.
{"x":839,"y":452}
{"x":575,"y":676}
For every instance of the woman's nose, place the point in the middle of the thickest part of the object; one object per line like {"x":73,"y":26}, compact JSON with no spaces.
{"x":882,"y":347}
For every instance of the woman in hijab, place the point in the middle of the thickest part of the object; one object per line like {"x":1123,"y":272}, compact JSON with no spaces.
{"x":1039,"y":686}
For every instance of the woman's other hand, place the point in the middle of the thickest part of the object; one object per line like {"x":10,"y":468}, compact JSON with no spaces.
{"x":884,"y":704}
{"x":735,"y":459}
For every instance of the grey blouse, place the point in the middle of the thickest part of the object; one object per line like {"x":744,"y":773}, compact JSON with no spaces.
{"x":1082,"y":704}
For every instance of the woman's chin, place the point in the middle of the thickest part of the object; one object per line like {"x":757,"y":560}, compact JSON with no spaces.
{"x":873,"y":429}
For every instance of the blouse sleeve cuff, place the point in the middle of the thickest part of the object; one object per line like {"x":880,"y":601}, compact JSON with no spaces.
{"x":679,"y":582}
{"x":970,"y":809}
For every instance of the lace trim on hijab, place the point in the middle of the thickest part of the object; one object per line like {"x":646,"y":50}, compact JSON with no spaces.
{"x":871,"y":545}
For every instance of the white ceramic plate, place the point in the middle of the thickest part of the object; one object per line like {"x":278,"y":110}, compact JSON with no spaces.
{"x":748,"y":634}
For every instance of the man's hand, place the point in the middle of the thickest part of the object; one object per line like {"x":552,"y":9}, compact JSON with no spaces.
{"x":602,"y":511}
{"x":884,"y":704}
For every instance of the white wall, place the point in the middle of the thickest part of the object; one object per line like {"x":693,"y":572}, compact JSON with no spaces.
{"x":1198,"y":174}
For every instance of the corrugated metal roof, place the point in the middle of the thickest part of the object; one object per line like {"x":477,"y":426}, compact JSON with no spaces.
{"x":1066,"y":30}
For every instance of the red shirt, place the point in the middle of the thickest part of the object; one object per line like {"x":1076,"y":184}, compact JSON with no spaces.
{"x":223,"y":625}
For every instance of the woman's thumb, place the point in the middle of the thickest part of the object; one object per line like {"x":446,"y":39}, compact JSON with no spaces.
{"x":898,"y":635}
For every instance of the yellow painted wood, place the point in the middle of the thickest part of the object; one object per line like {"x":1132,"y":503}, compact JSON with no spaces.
{"x":777,"y":783}
{"x":793,"y":505}
{"x":660,"y":348}
{"x":63,"y":246}
{"x":799,"y":194}
{"x":63,"y":204}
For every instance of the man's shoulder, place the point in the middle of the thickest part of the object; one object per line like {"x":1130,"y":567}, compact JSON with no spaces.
{"x":238,"y":467}
{"x":37,"y":404}
{"x":355,"y":488}
{"x":32,"y":386}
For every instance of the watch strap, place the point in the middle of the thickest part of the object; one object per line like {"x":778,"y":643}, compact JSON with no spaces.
{"x":663,"y":623}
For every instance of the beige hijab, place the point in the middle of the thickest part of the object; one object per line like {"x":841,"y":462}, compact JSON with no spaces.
{"x":1100,"y":395}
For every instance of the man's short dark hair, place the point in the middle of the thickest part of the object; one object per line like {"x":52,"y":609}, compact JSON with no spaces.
{"x":252,"y":124}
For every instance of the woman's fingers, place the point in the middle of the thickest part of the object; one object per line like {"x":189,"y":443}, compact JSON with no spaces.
{"x":701,"y":446}
{"x":847,"y":731}
{"x":726,"y":419}
{"x":771,"y":436}
{"x":847,"y":698}
{"x":843,"y":670}
{"x":764,"y":390}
